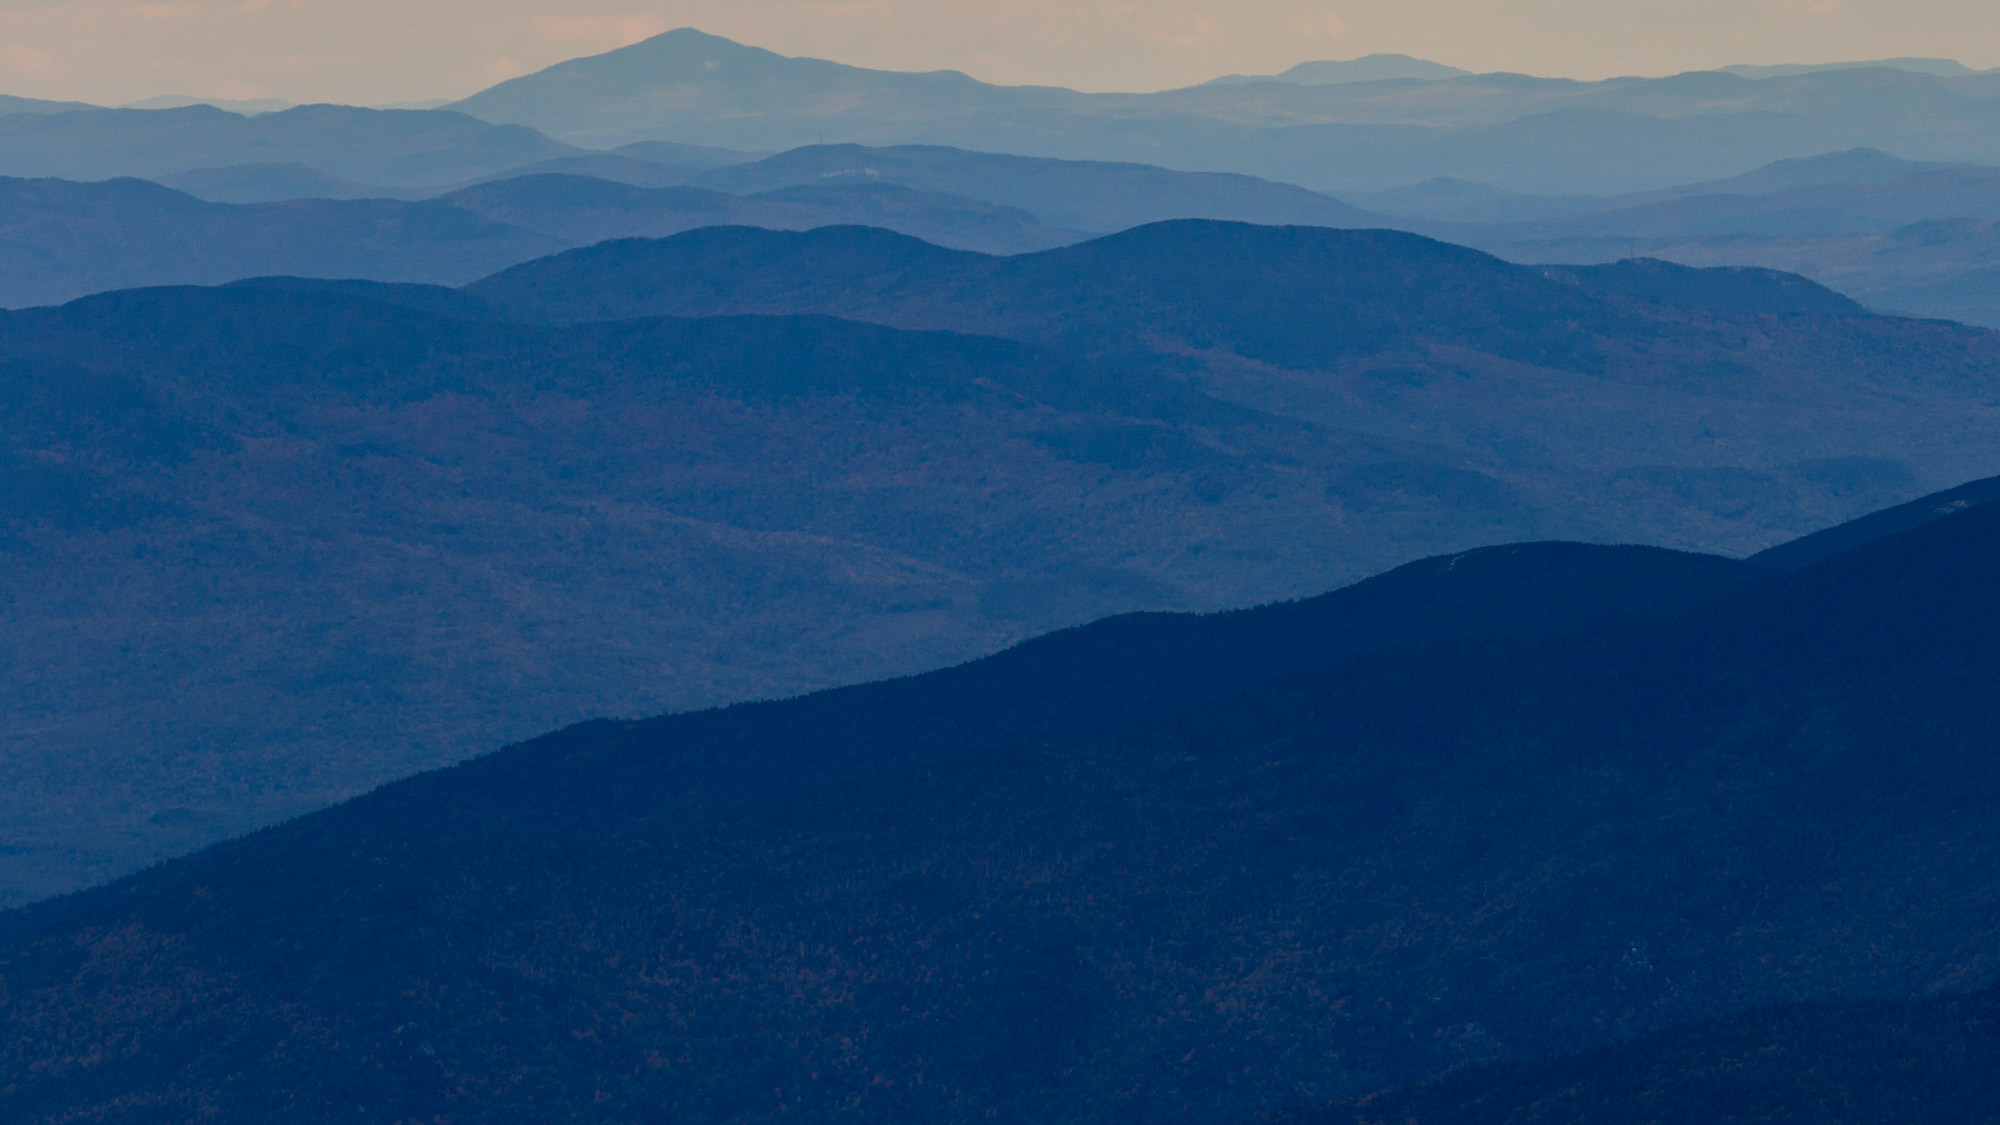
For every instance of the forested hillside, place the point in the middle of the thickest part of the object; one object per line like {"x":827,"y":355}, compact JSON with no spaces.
{"x":272,"y":544}
{"x":1688,"y":789}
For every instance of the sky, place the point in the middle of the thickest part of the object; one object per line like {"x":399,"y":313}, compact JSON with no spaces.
{"x":374,"y":52}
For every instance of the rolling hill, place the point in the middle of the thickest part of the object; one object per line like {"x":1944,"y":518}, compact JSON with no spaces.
{"x":395,"y":148}
{"x":1115,"y":871}
{"x":582,"y":211}
{"x":68,"y":240}
{"x":1387,"y":333}
{"x":72,"y":239}
{"x":203,"y":484}
{"x":1901,"y":236}
{"x":1080,"y":195}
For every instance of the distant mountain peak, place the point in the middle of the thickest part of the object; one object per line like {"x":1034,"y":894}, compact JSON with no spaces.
{"x":1368,"y":68}
{"x":245,"y":106}
{"x":719,"y":88}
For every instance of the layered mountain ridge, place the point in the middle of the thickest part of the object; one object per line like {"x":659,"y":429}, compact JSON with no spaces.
{"x":1056,"y":884}
{"x":704,"y":586}
{"x":1514,"y":131}
{"x":432,"y":491}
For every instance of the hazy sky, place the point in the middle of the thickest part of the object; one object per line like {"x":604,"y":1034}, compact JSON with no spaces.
{"x":374,"y":51}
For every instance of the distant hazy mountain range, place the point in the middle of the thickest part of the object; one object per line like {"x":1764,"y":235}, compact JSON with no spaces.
{"x":1902,"y":236}
{"x":1362,"y":125}
{"x":68,"y":239}
{"x":489,"y":429}
{"x":1871,"y":177}
{"x":406,"y":148}
{"x":1326,"y":126}
{"x":270,"y":544}
{"x":72,"y":238}
{"x":1370,"y":68}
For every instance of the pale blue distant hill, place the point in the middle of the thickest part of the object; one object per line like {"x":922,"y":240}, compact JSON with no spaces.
{"x":10,"y":104}
{"x":1368,"y":68}
{"x":1938,"y":68}
{"x":1359,"y":126}
{"x":394,"y":148}
{"x":244,"y":106}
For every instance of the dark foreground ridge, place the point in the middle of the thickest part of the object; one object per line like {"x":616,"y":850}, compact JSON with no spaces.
{"x":1903,"y":517}
{"x":1503,"y":804}
{"x":1928,"y":1062}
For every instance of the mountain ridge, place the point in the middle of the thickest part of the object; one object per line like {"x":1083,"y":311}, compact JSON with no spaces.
{"x":1623,"y":134}
{"x":826,"y":518}
{"x":1664,"y":749}
{"x":1912,"y":1061}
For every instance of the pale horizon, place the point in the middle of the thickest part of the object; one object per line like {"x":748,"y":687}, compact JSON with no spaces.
{"x":369,"y":52}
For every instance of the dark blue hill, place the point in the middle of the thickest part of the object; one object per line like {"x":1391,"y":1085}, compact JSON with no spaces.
{"x":580,"y":211}
{"x":72,"y":239}
{"x":1296,"y":296}
{"x":1300,"y":297}
{"x":1080,"y":195}
{"x":1893,"y":521}
{"x":1928,"y":1062}
{"x":1059,"y":687}
{"x":286,"y":340}
{"x":1730,"y":290}
{"x":1694,"y":387}
{"x":69,"y":239}
{"x":1160,"y":868}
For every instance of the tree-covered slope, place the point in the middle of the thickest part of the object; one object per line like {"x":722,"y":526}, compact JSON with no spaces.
{"x":1677,"y":377}
{"x":475,"y":528}
{"x":1928,"y":1062}
{"x":1325,"y":879}
{"x":270,"y":545}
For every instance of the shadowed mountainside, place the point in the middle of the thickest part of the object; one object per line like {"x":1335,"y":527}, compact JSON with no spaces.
{"x":270,"y":546}
{"x":1927,"y":1062}
{"x":968,"y":894}
{"x":1831,"y":541}
{"x":1377,"y":331}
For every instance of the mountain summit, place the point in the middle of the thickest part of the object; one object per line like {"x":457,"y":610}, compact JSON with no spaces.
{"x":686,"y":85}
{"x":1368,"y":68}
{"x":1322,"y":125}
